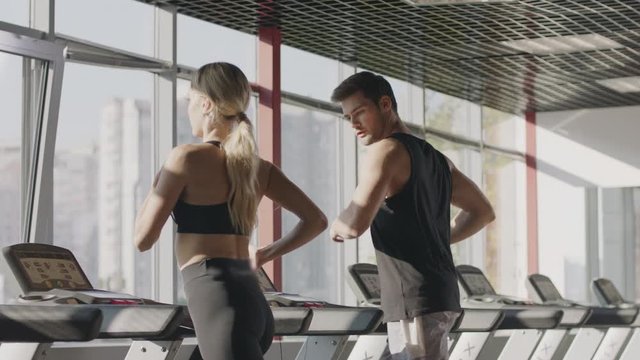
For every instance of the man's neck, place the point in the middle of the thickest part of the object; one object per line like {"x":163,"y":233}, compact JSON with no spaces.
{"x":395,"y":125}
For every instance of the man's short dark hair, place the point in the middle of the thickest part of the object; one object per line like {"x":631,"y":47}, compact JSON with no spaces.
{"x":373,"y":87}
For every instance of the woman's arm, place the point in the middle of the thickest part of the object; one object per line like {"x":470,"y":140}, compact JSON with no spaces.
{"x":312,"y":220}
{"x":160,"y":200}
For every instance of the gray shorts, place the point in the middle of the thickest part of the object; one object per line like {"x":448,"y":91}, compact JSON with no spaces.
{"x":421,"y":338}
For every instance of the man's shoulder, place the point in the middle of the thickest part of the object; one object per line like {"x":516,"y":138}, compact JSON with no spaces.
{"x":387,"y":146}
{"x":388,"y":154}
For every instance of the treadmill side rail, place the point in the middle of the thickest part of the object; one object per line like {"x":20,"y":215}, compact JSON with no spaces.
{"x":44,"y":323}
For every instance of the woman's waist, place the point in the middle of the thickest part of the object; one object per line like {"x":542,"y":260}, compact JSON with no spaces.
{"x":192,"y":248}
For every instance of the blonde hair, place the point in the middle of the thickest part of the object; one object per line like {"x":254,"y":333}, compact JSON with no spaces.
{"x":230,"y":91}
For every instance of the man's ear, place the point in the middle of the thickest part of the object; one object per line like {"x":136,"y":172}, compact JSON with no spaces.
{"x":385,"y":103}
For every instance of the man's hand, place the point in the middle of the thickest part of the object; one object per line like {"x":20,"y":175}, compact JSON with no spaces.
{"x":256,"y":258}
{"x":333,"y":234}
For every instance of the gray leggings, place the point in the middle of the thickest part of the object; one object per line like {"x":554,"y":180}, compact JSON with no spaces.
{"x":230,"y":314}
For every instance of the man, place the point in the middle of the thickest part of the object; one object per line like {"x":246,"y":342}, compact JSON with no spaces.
{"x":404,"y":194}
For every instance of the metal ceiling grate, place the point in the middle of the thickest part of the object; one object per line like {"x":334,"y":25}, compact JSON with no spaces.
{"x":456,"y":49}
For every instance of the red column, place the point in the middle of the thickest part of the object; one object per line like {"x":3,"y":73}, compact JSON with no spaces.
{"x":269,"y":216}
{"x":532,"y":192}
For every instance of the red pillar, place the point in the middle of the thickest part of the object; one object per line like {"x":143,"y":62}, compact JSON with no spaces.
{"x":532,"y":192}
{"x":269,"y":138}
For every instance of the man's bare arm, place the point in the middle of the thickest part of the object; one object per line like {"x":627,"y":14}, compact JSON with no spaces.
{"x":370,"y":192}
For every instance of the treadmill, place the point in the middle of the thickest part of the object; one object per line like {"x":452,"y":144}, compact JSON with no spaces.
{"x":528,"y":319}
{"x":32,"y":329}
{"x":471,"y":331}
{"x":51,"y":279}
{"x":600,"y":330}
{"x":331,"y":325}
{"x":608,"y":295}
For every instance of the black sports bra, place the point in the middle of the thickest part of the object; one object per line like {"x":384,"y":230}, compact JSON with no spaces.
{"x":204,"y":219}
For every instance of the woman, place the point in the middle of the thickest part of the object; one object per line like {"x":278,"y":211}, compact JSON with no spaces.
{"x":213,"y":189}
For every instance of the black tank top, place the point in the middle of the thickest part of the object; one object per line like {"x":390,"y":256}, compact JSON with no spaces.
{"x":411,"y":234}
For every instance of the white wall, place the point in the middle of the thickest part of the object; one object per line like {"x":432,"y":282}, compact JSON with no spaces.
{"x":591,"y":147}
{"x":577,"y":150}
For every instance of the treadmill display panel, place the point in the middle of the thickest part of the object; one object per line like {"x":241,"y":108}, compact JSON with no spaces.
{"x":477,"y":284}
{"x":548,"y":290}
{"x":44,"y":271}
{"x":611,"y":294}
{"x":372,"y":284}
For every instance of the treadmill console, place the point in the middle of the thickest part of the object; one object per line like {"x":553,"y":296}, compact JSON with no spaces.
{"x":365,"y":282}
{"x":607,"y":293}
{"x":48,"y":272}
{"x":478,"y":288}
{"x":542,"y":289}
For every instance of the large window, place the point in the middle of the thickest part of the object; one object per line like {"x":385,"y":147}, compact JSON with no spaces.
{"x":452,"y":115}
{"x":562,"y":237}
{"x":15,"y":12}
{"x":201,"y":42}
{"x":410,"y":101}
{"x":468,"y":161}
{"x":636,"y":241}
{"x":122,"y":24}
{"x":10,"y":163}
{"x":308,"y":74}
{"x":102,"y":172}
{"x":503,"y":129}
{"x":366,"y":251}
{"x":563,"y":177}
{"x":309,"y":157}
{"x":183,"y":126}
{"x":506,"y":243}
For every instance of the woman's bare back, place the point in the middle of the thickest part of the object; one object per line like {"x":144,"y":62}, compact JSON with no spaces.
{"x":207,"y":183}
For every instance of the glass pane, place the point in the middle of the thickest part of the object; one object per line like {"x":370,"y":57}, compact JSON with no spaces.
{"x":506,"y":237}
{"x":366,"y":251}
{"x":452,"y":115}
{"x":15,"y":12}
{"x":201,"y":42}
{"x":564,"y":229}
{"x":503,"y":129}
{"x":468,"y":161}
{"x":183,"y":126}
{"x":308,"y":74}
{"x":409,"y":98}
{"x":636,"y":219}
{"x":10,"y":164}
{"x":122,"y":24}
{"x":102,"y":172}
{"x":562,"y":235}
{"x":313,"y":269}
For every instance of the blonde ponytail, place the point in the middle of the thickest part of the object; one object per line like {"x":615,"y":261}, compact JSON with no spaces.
{"x":242,"y":169}
{"x":229,"y":89}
